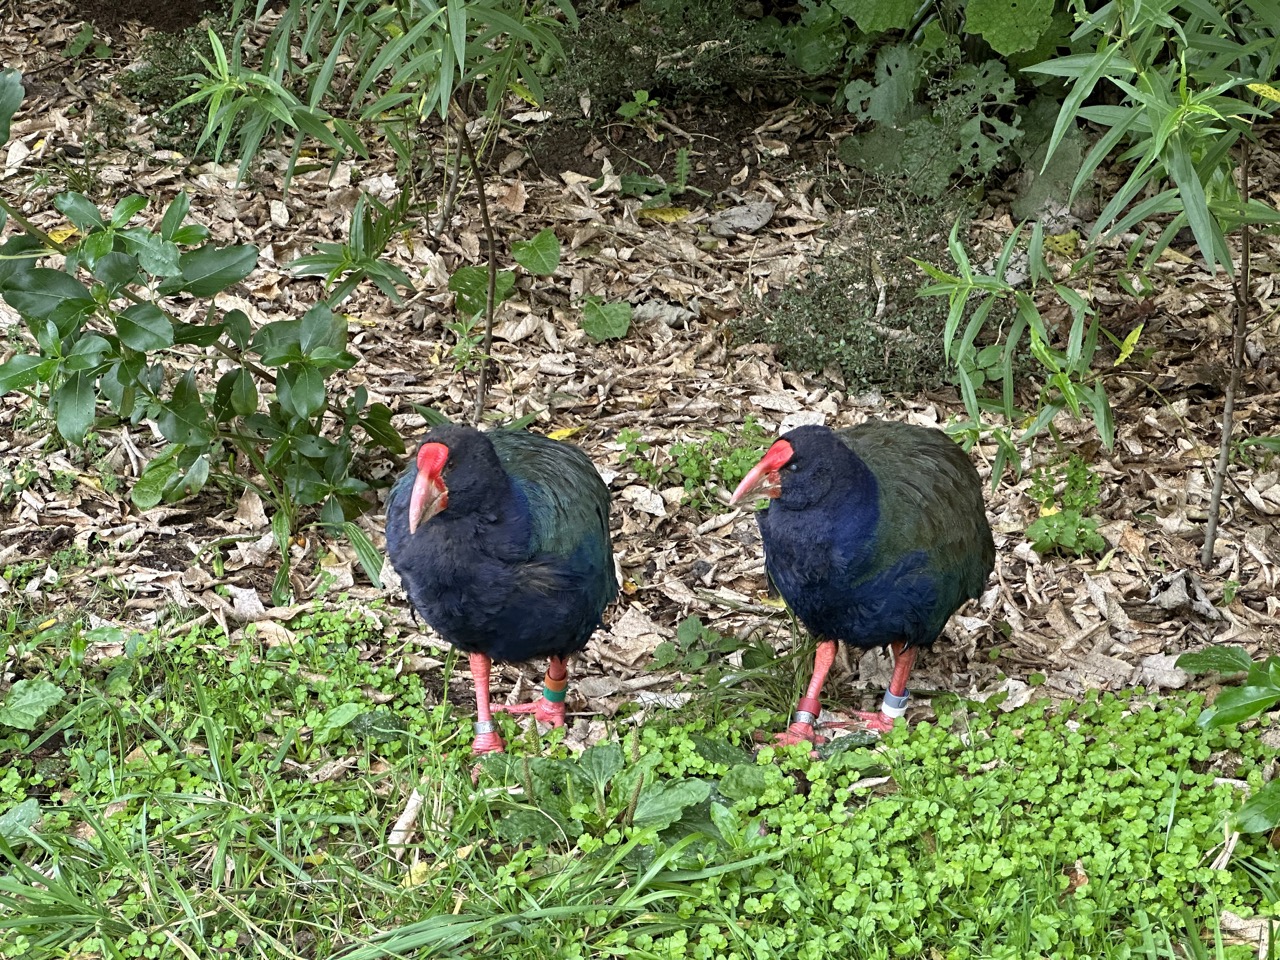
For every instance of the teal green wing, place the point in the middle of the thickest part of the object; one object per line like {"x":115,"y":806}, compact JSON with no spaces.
{"x":568,"y":503}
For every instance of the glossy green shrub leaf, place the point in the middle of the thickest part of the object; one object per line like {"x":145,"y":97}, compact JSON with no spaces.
{"x":301,"y":390}
{"x":144,"y":327}
{"x":19,"y":371}
{"x":376,"y":422}
{"x":210,"y":270}
{"x":183,"y":418}
{"x":80,"y":210}
{"x":11,"y":94}
{"x":75,"y":404}
{"x":126,"y":209}
{"x":174,"y":214}
{"x":39,"y":293}
{"x":116,"y":271}
{"x":156,"y":477}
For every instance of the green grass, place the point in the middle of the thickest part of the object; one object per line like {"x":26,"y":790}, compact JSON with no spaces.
{"x":198,"y":797}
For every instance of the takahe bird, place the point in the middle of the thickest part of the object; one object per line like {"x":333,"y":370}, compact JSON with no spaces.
{"x":874,"y":535}
{"x":502,"y":542}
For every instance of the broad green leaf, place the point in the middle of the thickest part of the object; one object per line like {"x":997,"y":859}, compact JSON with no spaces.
{"x":27,"y":702}
{"x":1009,"y":26}
{"x":144,"y":327}
{"x":744,"y":782}
{"x":1239,"y":703}
{"x":278,"y":342}
{"x":156,"y":477}
{"x":158,"y":256}
{"x":1261,"y":813}
{"x":126,"y":209}
{"x":337,"y":718}
{"x":11,"y":93}
{"x":368,"y":555}
{"x":80,"y":210}
{"x":1218,"y":659}
{"x":301,"y":390}
{"x":321,"y":328}
{"x":211,"y":269}
{"x":17,"y":821}
{"x":39,"y":292}
{"x":877,"y":16}
{"x":605,"y":321}
{"x":174,"y":214}
{"x":662,"y":804}
{"x":471,"y":285}
{"x":183,"y":418}
{"x":75,"y":403}
{"x":377,"y":424}
{"x":601,"y":763}
{"x":540,"y":256}
{"x":116,"y":271}
{"x":244,"y":392}
{"x":19,"y":371}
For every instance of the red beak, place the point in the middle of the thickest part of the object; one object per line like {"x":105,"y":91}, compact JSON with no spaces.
{"x":763,"y":480}
{"x":429,"y":495}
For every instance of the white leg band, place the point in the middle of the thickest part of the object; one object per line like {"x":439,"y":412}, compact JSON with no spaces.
{"x":895,"y":706}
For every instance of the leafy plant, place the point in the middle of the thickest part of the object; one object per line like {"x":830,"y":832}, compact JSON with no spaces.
{"x":372,"y":226}
{"x":641,"y":107}
{"x":717,"y":458}
{"x":961,"y":127}
{"x":265,"y":420}
{"x":1070,"y":380}
{"x":1259,"y":694}
{"x":605,"y":321}
{"x":344,"y":73}
{"x":1064,"y":524}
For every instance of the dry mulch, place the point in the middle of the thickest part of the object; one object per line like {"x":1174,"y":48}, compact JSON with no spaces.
{"x":1082,"y":624}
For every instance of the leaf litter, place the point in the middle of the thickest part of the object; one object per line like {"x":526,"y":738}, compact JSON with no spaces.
{"x":1062,"y":625}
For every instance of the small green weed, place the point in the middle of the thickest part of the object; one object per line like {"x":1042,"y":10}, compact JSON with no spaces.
{"x":1063,"y":524}
{"x":641,"y":108}
{"x":718,"y":459}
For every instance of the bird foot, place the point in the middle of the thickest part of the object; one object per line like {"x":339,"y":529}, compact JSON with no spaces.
{"x":487,"y":743}
{"x":872,"y":721}
{"x":796,"y":733}
{"x":543,"y":710}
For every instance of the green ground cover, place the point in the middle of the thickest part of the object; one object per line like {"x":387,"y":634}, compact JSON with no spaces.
{"x":195,"y":797}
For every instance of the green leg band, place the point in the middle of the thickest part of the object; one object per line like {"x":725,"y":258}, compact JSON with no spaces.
{"x":553,"y":696}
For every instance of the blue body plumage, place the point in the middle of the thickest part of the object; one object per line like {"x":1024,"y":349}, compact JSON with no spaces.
{"x":519,"y":564}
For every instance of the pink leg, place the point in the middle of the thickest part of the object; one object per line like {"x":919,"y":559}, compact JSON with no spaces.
{"x":809,"y":706}
{"x":487,"y":739}
{"x":548,"y":708}
{"x":895,"y":701}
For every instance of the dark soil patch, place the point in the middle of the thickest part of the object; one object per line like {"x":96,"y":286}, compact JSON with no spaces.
{"x":721,"y":136}
{"x":169,"y":16}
